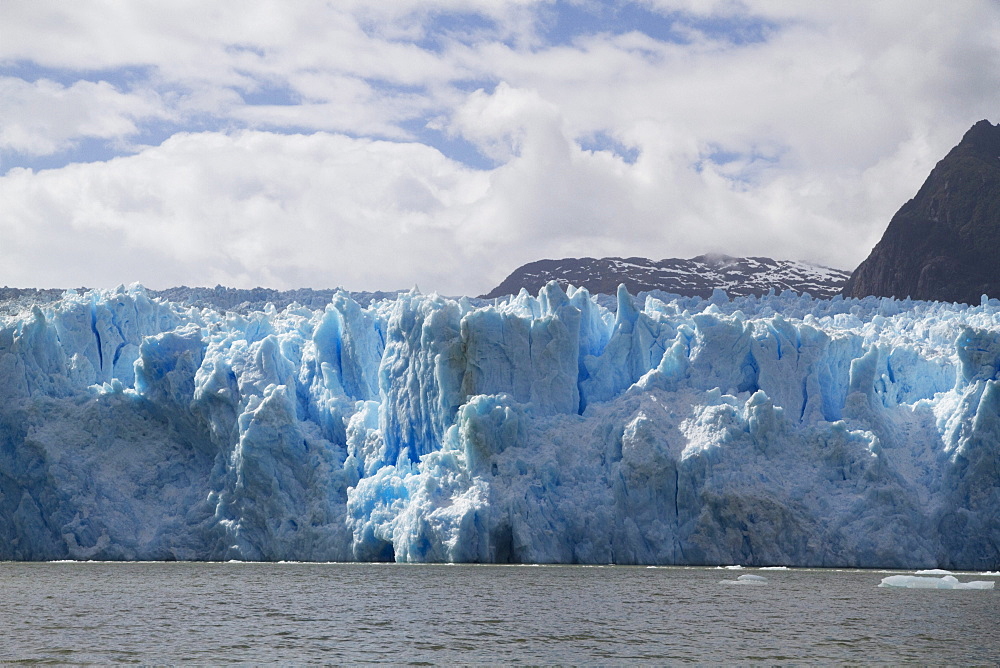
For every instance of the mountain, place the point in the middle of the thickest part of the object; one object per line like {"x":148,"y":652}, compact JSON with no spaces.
{"x":944,"y":244}
{"x":697,"y":276}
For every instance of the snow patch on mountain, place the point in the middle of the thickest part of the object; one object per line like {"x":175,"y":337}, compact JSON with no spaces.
{"x":697,"y":276}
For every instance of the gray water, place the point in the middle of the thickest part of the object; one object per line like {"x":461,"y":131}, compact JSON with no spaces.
{"x":352,"y":613}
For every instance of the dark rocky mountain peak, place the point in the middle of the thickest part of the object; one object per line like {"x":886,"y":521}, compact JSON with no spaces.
{"x":944,"y":244}
{"x":697,"y":276}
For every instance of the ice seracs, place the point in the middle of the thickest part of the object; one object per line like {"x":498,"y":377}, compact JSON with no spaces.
{"x":548,"y":428}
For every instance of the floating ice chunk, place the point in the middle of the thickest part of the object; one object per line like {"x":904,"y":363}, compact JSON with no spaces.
{"x":945,"y":582}
{"x":774,"y":568}
{"x":737,"y":567}
{"x":746,"y":580}
{"x":991,"y":573}
{"x":934,"y":571}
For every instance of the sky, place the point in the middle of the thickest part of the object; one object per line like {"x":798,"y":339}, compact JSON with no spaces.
{"x":443,"y":143}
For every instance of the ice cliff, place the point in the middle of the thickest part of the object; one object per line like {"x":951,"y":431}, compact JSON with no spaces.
{"x":773,"y":430}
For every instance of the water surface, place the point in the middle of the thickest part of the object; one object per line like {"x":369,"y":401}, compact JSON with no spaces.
{"x":337,"y":613}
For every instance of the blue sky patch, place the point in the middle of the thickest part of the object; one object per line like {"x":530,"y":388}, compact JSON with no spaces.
{"x":268,"y":93}
{"x":741,"y":168}
{"x":122,"y":78}
{"x":89,"y":149}
{"x":451,"y":146}
{"x":602,"y":141}
{"x":564,"y":22}
{"x":464,"y":28}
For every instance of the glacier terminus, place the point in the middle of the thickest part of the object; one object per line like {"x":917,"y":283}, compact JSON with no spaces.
{"x":557,"y":428}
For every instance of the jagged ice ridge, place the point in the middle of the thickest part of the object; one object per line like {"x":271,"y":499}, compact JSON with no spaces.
{"x":772,"y":430}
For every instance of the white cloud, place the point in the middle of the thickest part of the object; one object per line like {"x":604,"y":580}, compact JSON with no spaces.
{"x":799,"y":146}
{"x":248,"y":209}
{"x":45,"y":117}
{"x":834,"y":98}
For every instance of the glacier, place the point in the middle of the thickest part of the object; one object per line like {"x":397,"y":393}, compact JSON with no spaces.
{"x":551,"y":428}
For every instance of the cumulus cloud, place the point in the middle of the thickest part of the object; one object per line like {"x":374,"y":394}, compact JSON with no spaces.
{"x":45,"y":117}
{"x":748,"y":127}
{"x":244,"y":209}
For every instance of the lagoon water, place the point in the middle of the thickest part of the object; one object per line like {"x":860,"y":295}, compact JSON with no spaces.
{"x":351,"y":613}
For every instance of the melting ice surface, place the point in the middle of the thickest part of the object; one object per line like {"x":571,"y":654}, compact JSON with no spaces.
{"x":779,"y":430}
{"x":944,"y":582}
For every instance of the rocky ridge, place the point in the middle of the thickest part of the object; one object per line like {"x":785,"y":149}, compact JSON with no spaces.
{"x":694,"y":277}
{"x":944,"y":244}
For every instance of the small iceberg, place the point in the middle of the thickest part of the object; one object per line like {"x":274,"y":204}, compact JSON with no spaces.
{"x":991,"y":573}
{"x":746,"y":580}
{"x":774,"y":568}
{"x":934,"y":571}
{"x":945,"y":582}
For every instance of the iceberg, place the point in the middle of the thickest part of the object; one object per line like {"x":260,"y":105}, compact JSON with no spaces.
{"x":552,"y":428}
{"x":944,"y":582}
{"x":746,"y":580}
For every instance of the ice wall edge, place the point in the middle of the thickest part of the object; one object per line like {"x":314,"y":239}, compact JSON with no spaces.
{"x":536,"y":429}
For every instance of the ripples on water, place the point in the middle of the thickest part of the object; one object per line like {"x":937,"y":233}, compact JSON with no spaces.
{"x":337,"y":613}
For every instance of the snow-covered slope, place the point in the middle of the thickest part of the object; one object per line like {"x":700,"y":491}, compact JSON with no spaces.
{"x":781,"y":430}
{"x":695,"y":277}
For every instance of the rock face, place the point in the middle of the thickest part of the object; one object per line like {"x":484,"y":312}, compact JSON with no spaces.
{"x":944,"y":244}
{"x":695,"y":277}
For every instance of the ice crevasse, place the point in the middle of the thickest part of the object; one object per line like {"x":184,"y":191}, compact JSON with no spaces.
{"x":536,"y":429}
